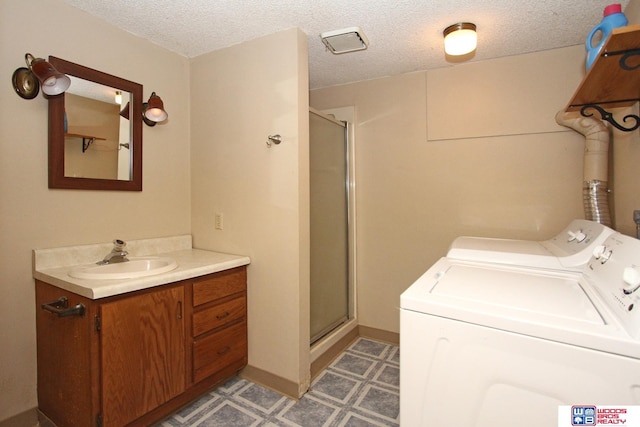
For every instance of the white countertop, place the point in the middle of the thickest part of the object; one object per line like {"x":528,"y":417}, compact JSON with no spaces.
{"x":53,"y":265}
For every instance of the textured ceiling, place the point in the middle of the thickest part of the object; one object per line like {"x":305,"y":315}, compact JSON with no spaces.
{"x":404,"y":35}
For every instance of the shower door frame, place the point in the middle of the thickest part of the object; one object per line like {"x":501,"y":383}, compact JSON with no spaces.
{"x":350,"y":322}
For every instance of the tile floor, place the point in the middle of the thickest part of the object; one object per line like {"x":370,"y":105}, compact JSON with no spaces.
{"x":359,"y":389}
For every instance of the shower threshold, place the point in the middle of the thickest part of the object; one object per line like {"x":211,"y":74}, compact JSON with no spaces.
{"x":326,"y":331}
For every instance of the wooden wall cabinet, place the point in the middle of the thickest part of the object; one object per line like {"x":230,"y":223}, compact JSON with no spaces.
{"x":133,"y":359}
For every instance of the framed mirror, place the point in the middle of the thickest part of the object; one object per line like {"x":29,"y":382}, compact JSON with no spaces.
{"x":95,"y":143}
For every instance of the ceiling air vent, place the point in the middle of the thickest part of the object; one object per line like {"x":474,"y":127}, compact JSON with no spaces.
{"x":346,"y":40}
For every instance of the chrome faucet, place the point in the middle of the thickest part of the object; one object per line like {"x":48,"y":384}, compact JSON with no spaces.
{"x":117,"y":254}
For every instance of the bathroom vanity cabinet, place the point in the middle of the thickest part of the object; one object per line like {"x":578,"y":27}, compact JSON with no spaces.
{"x":132,"y":359}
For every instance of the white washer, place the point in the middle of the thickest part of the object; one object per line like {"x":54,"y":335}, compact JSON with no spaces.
{"x":494,"y":345}
{"x":568,"y":250}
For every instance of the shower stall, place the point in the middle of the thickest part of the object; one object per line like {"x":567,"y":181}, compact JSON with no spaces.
{"x":331,"y":207}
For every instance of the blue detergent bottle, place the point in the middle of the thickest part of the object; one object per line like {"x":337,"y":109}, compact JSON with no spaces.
{"x":613,"y":18}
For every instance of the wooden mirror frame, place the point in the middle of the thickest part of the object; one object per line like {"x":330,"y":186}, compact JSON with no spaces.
{"x":57,"y":178}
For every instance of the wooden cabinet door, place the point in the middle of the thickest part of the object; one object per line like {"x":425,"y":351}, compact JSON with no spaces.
{"x":143,"y":353}
{"x":65,"y":360}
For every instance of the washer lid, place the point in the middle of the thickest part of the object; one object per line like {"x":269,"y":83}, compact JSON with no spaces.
{"x":557,"y":296}
{"x":557,"y":306}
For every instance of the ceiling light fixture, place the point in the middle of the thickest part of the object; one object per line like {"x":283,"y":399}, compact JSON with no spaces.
{"x":460,"y":38}
{"x":347,"y":40}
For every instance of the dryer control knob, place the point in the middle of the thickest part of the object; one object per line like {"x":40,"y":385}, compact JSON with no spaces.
{"x":631,"y":277}
{"x":602,"y":253}
{"x":578,"y":236}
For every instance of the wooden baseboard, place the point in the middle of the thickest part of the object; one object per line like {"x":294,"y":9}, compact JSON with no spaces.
{"x":281,"y":385}
{"x":379,"y":335}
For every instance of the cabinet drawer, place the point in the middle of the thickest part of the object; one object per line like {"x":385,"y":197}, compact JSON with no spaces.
{"x":216,"y":351}
{"x":214,"y":317}
{"x":219,"y":285}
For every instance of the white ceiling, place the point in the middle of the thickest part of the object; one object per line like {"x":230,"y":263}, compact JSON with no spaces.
{"x":404,"y":35}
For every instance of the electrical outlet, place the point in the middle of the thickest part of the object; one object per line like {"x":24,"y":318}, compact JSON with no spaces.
{"x":219,"y":223}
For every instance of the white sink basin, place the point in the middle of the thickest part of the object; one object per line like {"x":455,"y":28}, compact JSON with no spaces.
{"x":135,"y":267}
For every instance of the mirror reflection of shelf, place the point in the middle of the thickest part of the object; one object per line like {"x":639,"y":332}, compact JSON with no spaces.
{"x":87,"y":140}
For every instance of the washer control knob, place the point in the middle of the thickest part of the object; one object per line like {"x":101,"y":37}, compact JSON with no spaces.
{"x":631,"y":278}
{"x":578,"y":236}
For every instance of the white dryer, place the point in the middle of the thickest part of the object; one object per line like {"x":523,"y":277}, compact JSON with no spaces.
{"x":494,"y":345}
{"x":568,"y":250}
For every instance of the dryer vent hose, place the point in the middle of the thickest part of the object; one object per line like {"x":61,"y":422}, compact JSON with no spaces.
{"x":595,"y":192}
{"x":595,"y":197}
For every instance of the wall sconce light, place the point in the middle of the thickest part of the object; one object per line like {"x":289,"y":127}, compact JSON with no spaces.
{"x":460,"y":38}
{"x":153,"y":110}
{"x":39,"y":73}
{"x":118,"y":97}
{"x":150,"y":115}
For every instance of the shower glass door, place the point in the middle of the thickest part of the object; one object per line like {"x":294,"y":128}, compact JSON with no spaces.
{"x":329,"y":224}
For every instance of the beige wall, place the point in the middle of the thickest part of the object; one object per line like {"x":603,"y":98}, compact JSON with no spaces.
{"x":31,"y":215}
{"x":240,"y":95}
{"x":466,"y":150}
